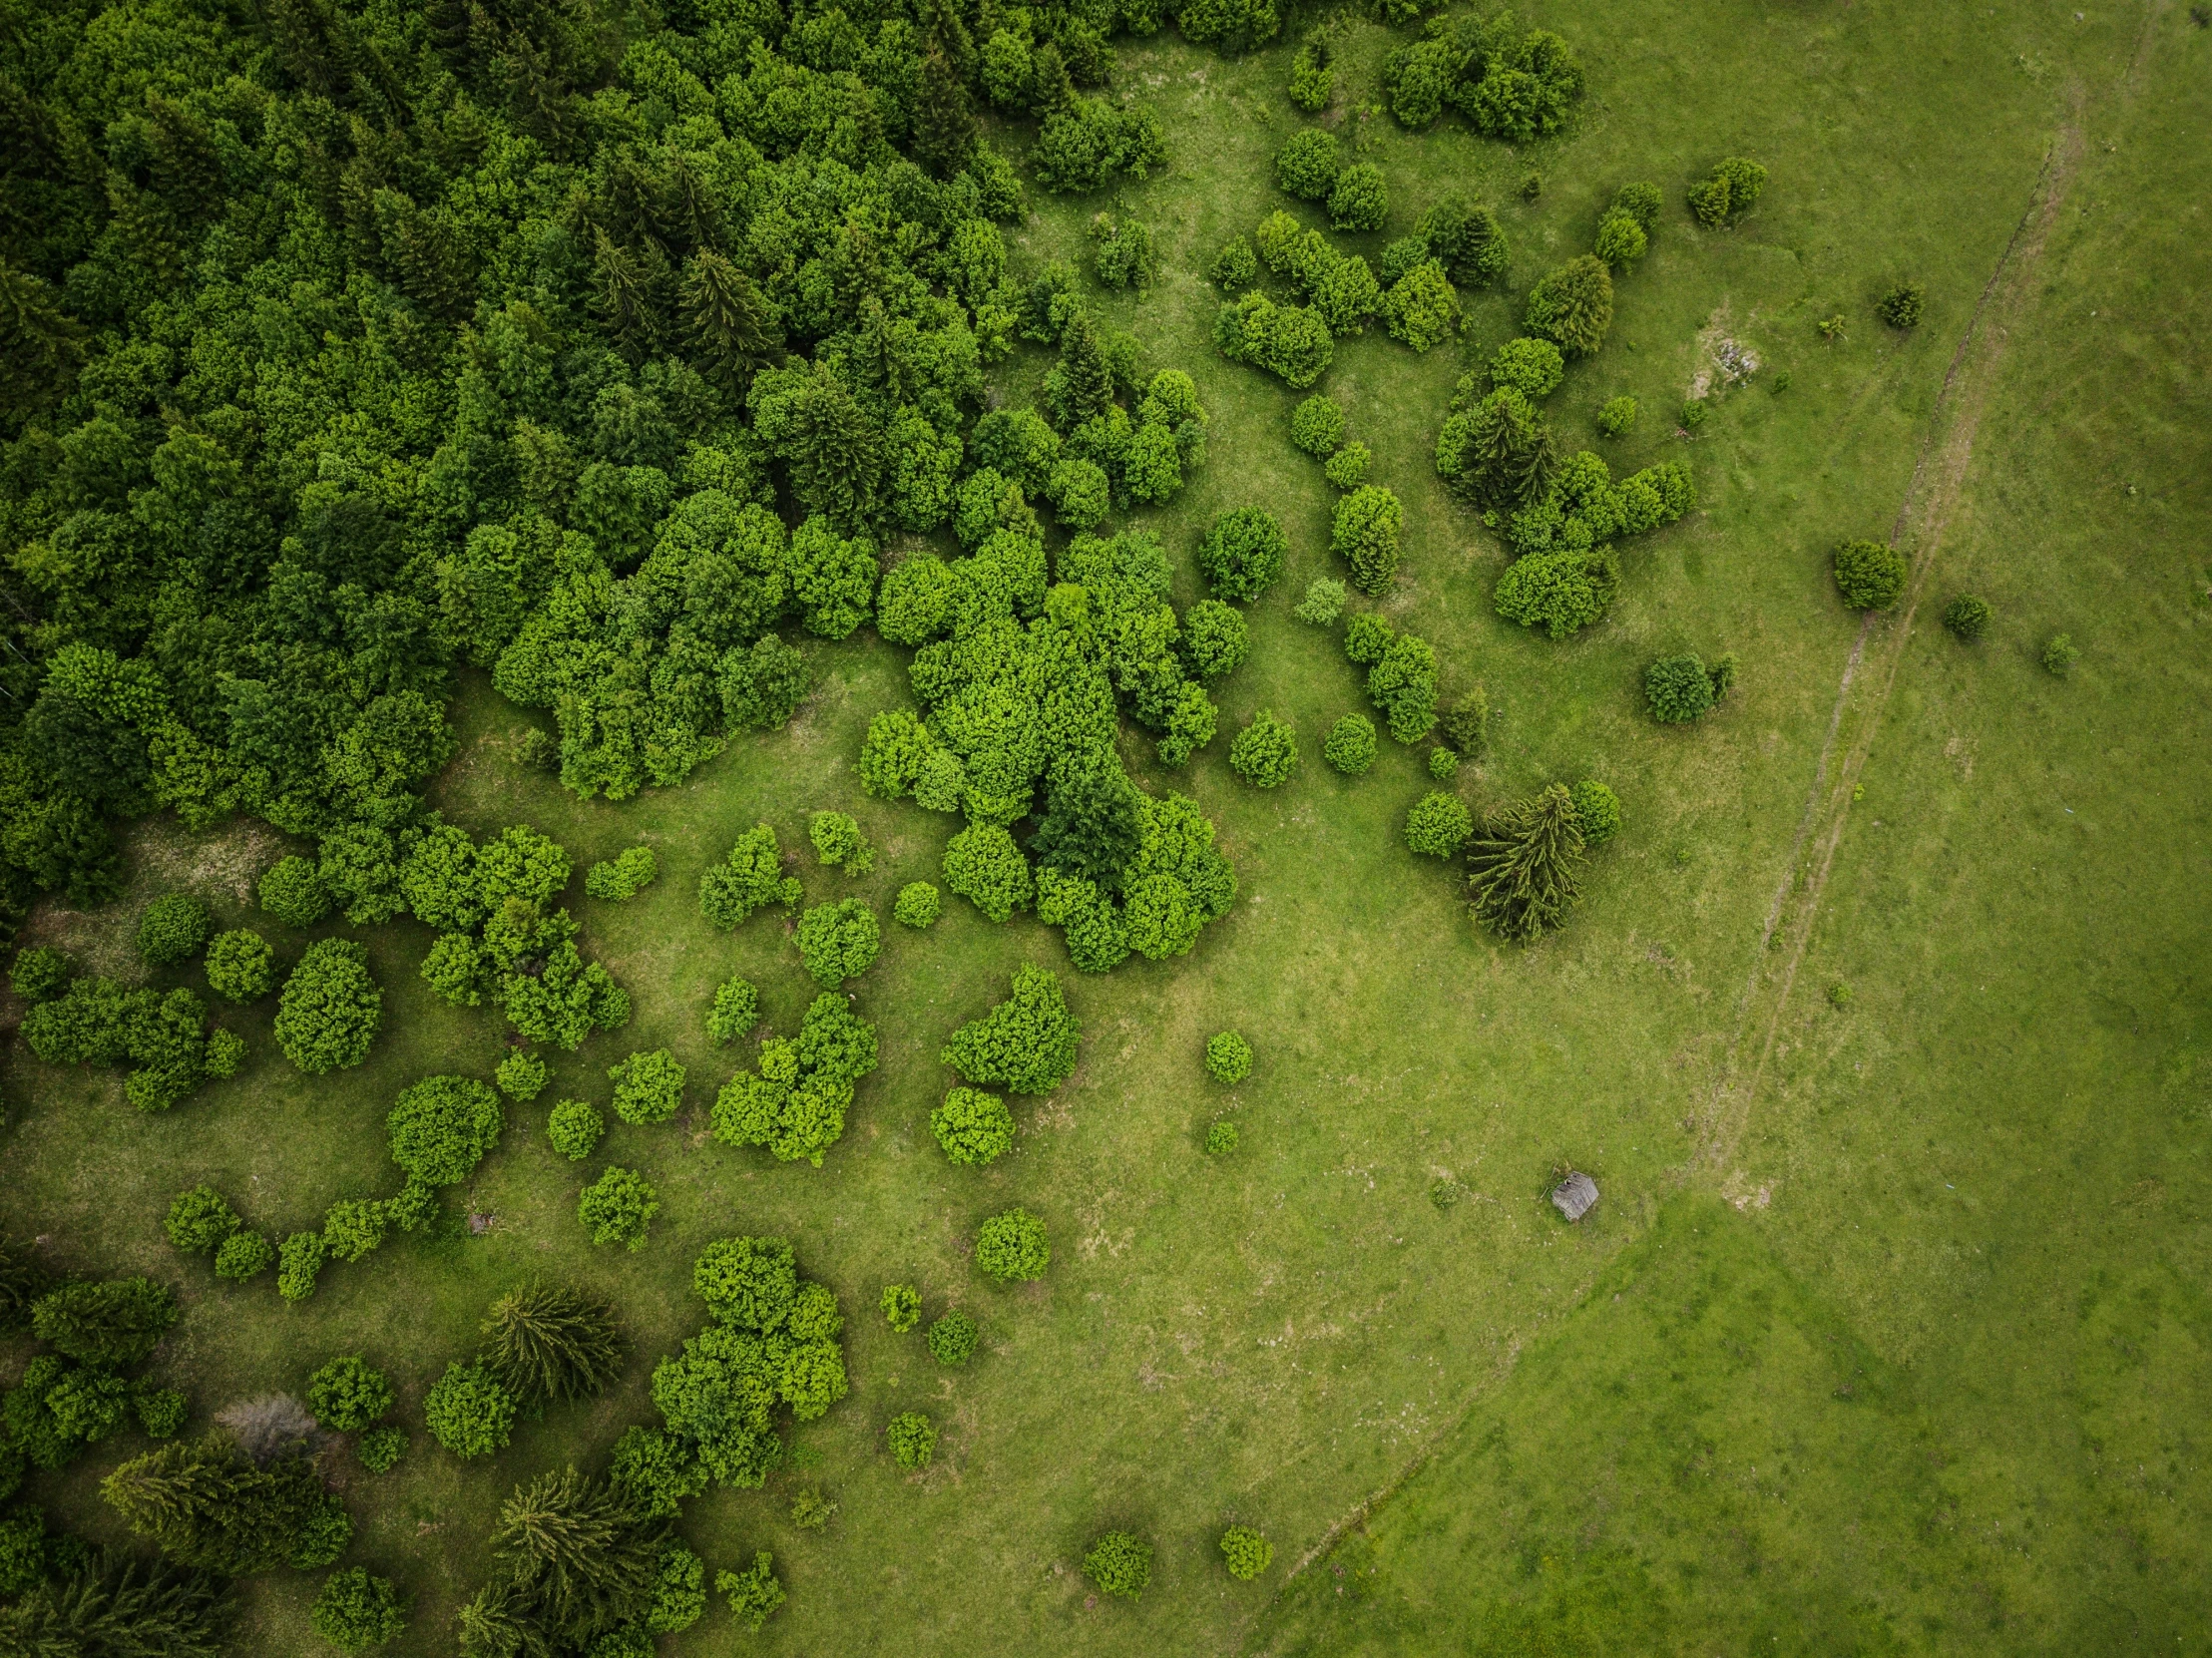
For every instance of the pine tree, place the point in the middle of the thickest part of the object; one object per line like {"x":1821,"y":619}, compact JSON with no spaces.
{"x":732,"y":325}
{"x":579,"y":1555}
{"x":41,"y":346}
{"x":835,"y":452}
{"x":944,"y":124}
{"x":204,"y":1503}
{"x":1523,"y":865}
{"x":1085,"y":378}
{"x":113,"y":1604}
{"x":1094,"y":824}
{"x":1052,"y":87}
{"x":554,"y":1342}
{"x":620,"y":295}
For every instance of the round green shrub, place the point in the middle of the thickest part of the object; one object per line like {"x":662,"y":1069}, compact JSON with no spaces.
{"x":1533,"y":367}
{"x":1365,"y":533}
{"x":1351,"y":745}
{"x":1307,"y":165}
{"x":735,"y":1009}
{"x":355,"y":1611}
{"x":1616,"y":416}
{"x":1678,"y":689}
{"x":1246,"y":1551}
{"x":1596,"y":811}
{"x":348,"y":1395}
{"x":971,"y":1126}
{"x":1620,"y":240}
{"x":1013,"y":1248}
{"x":1323,"y":602}
{"x":1967,"y":616}
{"x":911,"y":1440}
{"x":299,"y":1261}
{"x":952,"y":1338}
{"x":1359,"y":199}
{"x":1901,"y":306}
{"x":322,"y":1537}
{"x":1347,"y":468}
{"x":678,"y":1595}
{"x":1215,"y":638}
{"x":1573,"y":305}
{"x":241,"y":966}
{"x":1119,"y":1564}
{"x":174,"y":927}
{"x":39,"y":974}
{"x":839,"y":841}
{"x":468,"y":1412}
{"x":647,"y":1087}
{"x":244,"y":1255}
{"x":1243,"y":553}
{"x":1235,"y":268}
{"x":1228,"y":1057}
{"x":293,"y":891}
{"x":1640,"y":202}
{"x":901,"y":1305}
{"x":380,"y":1448}
{"x":521,"y":1076}
{"x":2060,"y":655}
{"x":575,"y":1127}
{"x":161,"y":1412}
{"x":1317,"y":426}
{"x":442,"y":1128}
{"x":618,"y":1207}
{"x":918,"y":905}
{"x":1266,"y":752}
{"x":198,"y":1220}
{"x":224,"y":1052}
{"x":1221,"y":1138}
{"x":1444,"y":764}
{"x":1439,"y":825}
{"x":327,"y":1017}
{"x":1870,"y":575}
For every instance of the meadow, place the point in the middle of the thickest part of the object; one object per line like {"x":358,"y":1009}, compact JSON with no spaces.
{"x":1889,"y":1333}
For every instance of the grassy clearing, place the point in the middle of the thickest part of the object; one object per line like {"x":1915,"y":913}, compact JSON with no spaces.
{"x":1270,"y":1336}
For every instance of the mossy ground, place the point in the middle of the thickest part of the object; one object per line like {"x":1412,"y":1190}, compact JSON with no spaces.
{"x":1974,"y":1197}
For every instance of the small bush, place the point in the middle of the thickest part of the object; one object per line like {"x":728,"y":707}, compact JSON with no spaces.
{"x":1596,"y":811}
{"x":1323,"y":602}
{"x":244,"y":1255}
{"x":911,"y":1440}
{"x":952,"y":1338}
{"x":1728,"y":194}
{"x":1246,"y":1551}
{"x":647,"y":1087}
{"x":1365,"y":536}
{"x":1533,"y":367}
{"x":353,"y":1228}
{"x":161,"y":1412}
{"x":1119,"y":1564}
{"x":901,"y":1306}
{"x":356,"y":1611}
{"x":973,"y":1127}
{"x":1317,"y":426}
{"x":1616,"y":416}
{"x":839,"y":941}
{"x":1013,"y":1247}
{"x":322,"y":1537}
{"x":1215,"y":638}
{"x":1229,"y":1057}
{"x":1967,"y":616}
{"x":918,"y":905}
{"x":1467,"y":723}
{"x":838,"y":842}
{"x":1694,"y":410}
{"x":1359,"y":199}
{"x":174,"y":927}
{"x":575,"y":1128}
{"x":39,"y":974}
{"x":198,"y":1220}
{"x":1266,"y":752}
{"x":1620,"y":240}
{"x":1901,"y":306}
{"x":1444,"y":764}
{"x":1531,"y":185}
{"x":1640,"y":202}
{"x":1308,"y":163}
{"x":241,"y":966}
{"x":734,"y":1010}
{"x":1678,"y":689}
{"x":380,"y":1448}
{"x":984,"y":865}
{"x":756,"y":1593}
{"x":299,"y":1261}
{"x":1439,"y":825}
{"x":521,"y":1076}
{"x":1839,"y":995}
{"x":1347,"y":468}
{"x":1242,"y":554}
{"x":2060,"y":655}
{"x":623,"y":877}
{"x":468,"y":1412}
{"x":1573,"y":305}
{"x":1235,"y":268}
{"x":225,"y":1052}
{"x":1870,"y":575}
{"x":1221,"y":1138}
{"x":293,"y":892}
{"x":346,"y":1395}
{"x":618,"y":1207}
{"x":442,"y":1128}
{"x":1351,"y":745}
{"x":329,"y":1011}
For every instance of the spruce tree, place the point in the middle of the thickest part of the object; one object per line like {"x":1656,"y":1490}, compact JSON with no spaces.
{"x":620,"y":293}
{"x":944,"y":124}
{"x":40,"y":344}
{"x":553,"y":1343}
{"x":1507,"y":455}
{"x":204,"y":1503}
{"x":1084,"y":380}
{"x":1523,"y":865}
{"x":111,"y":1604}
{"x":1094,"y":824}
{"x":1052,"y":87}
{"x":835,"y":452}
{"x":732,"y":325}
{"x":579,"y":1554}
{"x":117,"y":1322}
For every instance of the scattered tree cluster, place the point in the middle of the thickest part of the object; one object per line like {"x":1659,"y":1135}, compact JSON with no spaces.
{"x":794,"y":1102}
{"x":1682,"y":688}
{"x":163,"y":1039}
{"x":622,"y":876}
{"x":1509,"y":86}
{"x":1027,"y":1043}
{"x":1401,"y":674}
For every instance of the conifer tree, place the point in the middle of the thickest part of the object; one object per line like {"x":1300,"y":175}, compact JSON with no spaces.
{"x":835,"y":453}
{"x":114,"y":1604}
{"x":204,"y":1503}
{"x":1052,"y":87}
{"x":732,"y":325}
{"x":1085,"y":378}
{"x":944,"y":124}
{"x":41,"y":345}
{"x":1523,"y":865}
{"x":620,"y":293}
{"x":580,"y":1557}
{"x":554,"y":1342}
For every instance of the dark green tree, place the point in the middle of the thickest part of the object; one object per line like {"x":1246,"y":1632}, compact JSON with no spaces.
{"x":578,"y":1558}
{"x":203,"y":1502}
{"x":1084,"y":377}
{"x":733,"y":327}
{"x":944,"y":123}
{"x":551,"y":1342}
{"x":117,"y":1322}
{"x":1525,"y":865}
{"x":1093,"y":823}
{"x":111,"y":1605}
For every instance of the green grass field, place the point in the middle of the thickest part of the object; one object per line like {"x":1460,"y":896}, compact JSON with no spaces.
{"x":1890,"y":1333}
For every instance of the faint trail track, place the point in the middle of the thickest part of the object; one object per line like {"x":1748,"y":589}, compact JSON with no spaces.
{"x":1939,"y":473}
